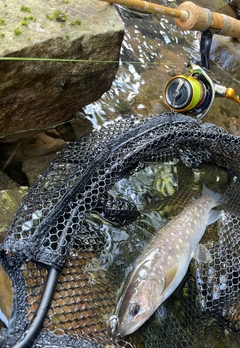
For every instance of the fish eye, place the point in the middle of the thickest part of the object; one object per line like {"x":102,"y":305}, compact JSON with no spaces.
{"x":134,"y":309}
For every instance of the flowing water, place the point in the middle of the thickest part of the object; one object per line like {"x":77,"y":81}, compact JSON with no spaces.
{"x":153,"y":50}
{"x":160,"y":191}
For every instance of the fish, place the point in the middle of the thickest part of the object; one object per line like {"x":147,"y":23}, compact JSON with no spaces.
{"x":162,"y":265}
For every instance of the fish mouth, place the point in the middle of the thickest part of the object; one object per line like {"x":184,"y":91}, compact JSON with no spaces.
{"x":128,"y":325}
{"x":124,"y":329}
{"x":128,"y":329}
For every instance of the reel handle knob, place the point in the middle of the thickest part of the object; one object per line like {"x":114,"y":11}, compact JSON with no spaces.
{"x":230,"y":94}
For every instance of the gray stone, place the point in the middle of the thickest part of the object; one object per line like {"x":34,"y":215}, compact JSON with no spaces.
{"x":235,"y":3}
{"x":6,"y":183}
{"x":225,"y":51}
{"x":9,"y":202}
{"x":34,"y":166}
{"x":36,"y":95}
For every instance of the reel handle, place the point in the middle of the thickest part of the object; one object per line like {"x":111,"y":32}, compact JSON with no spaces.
{"x":231,"y":94}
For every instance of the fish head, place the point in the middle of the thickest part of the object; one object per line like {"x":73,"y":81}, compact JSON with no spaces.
{"x":140,"y":300}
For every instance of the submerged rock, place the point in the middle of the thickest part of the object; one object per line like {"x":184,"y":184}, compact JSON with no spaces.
{"x":9,"y":202}
{"x":36,"y":95}
{"x":33,"y":166}
{"x":225,"y":51}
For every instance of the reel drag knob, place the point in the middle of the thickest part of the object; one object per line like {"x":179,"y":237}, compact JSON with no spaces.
{"x":184,"y":93}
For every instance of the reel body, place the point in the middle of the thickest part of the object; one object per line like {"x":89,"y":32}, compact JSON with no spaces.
{"x":184,"y":93}
{"x":194,"y":92}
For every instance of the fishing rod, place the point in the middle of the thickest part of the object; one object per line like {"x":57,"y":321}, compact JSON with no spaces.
{"x":189,"y":16}
{"x":151,"y":7}
{"x":194,"y":91}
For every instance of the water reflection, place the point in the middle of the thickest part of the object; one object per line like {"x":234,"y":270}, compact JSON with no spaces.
{"x":153,"y":50}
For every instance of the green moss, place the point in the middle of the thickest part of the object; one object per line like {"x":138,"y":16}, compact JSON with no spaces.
{"x":2,"y":21}
{"x":65,"y":1}
{"x":29,"y":17}
{"x":67,"y":37}
{"x":61,"y":17}
{"x":17,"y":31}
{"x":25,"y":9}
{"x":185,"y":292}
{"x":50,"y":17}
{"x":57,"y":15}
{"x":24,"y":22}
{"x":76,"y":22}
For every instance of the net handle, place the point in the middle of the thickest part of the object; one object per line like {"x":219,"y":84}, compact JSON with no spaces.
{"x":189,"y":16}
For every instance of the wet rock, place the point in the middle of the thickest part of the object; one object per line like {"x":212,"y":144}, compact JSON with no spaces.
{"x":233,"y":314}
{"x":9,"y":202}
{"x":36,"y":95}
{"x":235,"y":5}
{"x":234,"y":127}
{"x":42,"y":144}
{"x":80,"y":125}
{"x":225,"y":52}
{"x":10,"y":197}
{"x":25,"y":160}
{"x":35,"y":166}
{"x":6,"y":183}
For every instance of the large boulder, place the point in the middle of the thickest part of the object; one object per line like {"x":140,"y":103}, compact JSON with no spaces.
{"x":38,"y":94}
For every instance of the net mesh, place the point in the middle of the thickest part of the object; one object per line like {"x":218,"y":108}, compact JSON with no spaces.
{"x":93,"y":212}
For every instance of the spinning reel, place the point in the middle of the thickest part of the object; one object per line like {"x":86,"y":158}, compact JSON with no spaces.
{"x":195,"y":91}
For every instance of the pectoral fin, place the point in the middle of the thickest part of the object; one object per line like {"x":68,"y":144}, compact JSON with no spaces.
{"x":170,"y":275}
{"x":213,"y":216}
{"x":202,"y":254}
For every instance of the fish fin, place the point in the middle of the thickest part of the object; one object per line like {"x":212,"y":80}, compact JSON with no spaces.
{"x":3,"y":318}
{"x":170,"y":275}
{"x":215,"y":195}
{"x":213,"y":216}
{"x":202,"y":254}
{"x":192,"y":199}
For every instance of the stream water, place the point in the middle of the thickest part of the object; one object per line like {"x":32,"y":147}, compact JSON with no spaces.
{"x":153,"y":50}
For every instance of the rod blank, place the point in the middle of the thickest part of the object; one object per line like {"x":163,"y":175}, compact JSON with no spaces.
{"x":189,"y":16}
{"x":151,"y":7}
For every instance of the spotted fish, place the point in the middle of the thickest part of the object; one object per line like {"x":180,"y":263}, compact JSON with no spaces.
{"x":163,"y":264}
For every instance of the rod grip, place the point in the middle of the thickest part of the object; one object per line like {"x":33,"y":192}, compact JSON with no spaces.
{"x":202,"y":19}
